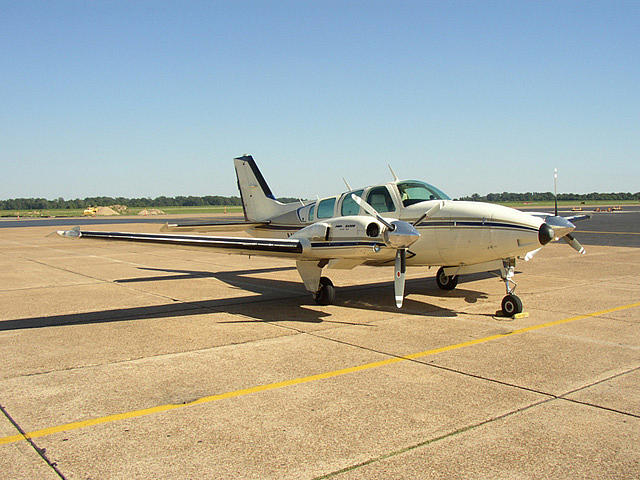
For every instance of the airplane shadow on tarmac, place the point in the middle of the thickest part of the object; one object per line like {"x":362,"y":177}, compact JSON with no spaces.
{"x":275,"y":301}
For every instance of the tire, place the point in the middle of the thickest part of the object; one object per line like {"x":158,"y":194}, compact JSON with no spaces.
{"x":446,"y":282}
{"x":511,"y":305}
{"x":326,"y":293}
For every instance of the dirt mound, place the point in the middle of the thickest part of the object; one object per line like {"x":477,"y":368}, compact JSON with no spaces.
{"x":121,"y":209}
{"x":34,"y":213}
{"x":151,"y":211}
{"x":106,"y":211}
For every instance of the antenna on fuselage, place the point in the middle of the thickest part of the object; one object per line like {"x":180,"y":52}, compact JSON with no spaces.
{"x":347,"y":184}
{"x":395,"y":177}
{"x":555,"y":190}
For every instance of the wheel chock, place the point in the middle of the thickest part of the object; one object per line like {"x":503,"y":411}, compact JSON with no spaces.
{"x":517,"y":316}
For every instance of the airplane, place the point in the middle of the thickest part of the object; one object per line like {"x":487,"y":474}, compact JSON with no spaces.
{"x":401,"y":223}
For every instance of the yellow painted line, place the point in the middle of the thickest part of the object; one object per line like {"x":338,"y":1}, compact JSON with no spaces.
{"x":296,"y":381}
{"x":609,"y":233}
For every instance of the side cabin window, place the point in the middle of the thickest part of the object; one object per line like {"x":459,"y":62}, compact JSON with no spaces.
{"x":414,"y":191}
{"x":325,"y":207}
{"x":349,"y":206}
{"x":380,"y":199}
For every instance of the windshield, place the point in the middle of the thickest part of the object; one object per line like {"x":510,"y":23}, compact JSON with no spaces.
{"x":414,"y":191}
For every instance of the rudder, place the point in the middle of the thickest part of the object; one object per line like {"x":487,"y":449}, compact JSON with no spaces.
{"x":257,"y":199}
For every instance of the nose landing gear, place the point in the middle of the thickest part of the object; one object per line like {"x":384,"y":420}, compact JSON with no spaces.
{"x":511,"y":303}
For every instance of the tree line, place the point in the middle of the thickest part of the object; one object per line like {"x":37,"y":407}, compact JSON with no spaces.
{"x":179,"y":201}
{"x":213,"y":200}
{"x":548,"y":196}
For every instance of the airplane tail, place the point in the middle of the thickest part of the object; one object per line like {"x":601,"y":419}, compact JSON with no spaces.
{"x":257,"y":199}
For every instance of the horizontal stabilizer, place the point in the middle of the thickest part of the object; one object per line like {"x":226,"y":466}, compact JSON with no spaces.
{"x":210,"y":226}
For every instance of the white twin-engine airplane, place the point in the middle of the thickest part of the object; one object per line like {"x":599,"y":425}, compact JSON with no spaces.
{"x":403,"y":222}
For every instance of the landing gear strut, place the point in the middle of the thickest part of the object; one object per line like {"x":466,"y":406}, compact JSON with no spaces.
{"x":446,"y":282}
{"x":326,"y":293}
{"x":511,"y":303}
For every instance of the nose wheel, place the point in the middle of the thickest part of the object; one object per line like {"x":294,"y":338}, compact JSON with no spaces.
{"x":326,"y":293}
{"x":511,"y":303}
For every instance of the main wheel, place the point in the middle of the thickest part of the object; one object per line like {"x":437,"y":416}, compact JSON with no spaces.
{"x":511,"y":304}
{"x":446,"y":282}
{"x":326,"y":293}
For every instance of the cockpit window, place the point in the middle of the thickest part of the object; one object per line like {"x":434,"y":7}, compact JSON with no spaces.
{"x":311,"y":212}
{"x":414,"y":191}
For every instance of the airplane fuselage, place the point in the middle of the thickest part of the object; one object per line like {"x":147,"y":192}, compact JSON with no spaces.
{"x":461,"y":233}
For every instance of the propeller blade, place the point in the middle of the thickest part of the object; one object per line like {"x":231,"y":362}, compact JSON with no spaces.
{"x":530,"y":254}
{"x":575,"y":244}
{"x":429,"y":213}
{"x":555,"y":191}
{"x":372,"y":211}
{"x":399,"y":274}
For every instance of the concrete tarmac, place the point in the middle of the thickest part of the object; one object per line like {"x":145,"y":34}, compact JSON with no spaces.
{"x":142,"y":361}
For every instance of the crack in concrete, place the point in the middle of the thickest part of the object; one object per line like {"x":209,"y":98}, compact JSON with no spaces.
{"x":431,"y":440}
{"x":424,"y":443}
{"x":40,"y":451}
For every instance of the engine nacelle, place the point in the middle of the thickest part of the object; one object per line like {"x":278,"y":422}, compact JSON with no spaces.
{"x":343,"y":228}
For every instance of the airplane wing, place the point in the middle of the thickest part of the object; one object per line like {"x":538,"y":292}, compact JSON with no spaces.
{"x":241,"y":245}
{"x":358,"y":251}
{"x":341,"y":242}
{"x":572,"y":218}
{"x":576,"y":218}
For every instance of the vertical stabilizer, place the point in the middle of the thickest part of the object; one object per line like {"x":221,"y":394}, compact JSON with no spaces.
{"x":257,"y":199}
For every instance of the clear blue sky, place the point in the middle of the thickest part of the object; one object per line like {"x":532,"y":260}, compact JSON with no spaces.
{"x":155,"y":98}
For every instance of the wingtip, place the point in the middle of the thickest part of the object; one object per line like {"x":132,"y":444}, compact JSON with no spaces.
{"x":73,"y":233}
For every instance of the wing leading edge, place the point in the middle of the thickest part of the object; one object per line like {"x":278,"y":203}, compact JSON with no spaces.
{"x":242,"y":245}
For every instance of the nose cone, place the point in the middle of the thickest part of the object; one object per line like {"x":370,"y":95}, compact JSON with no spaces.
{"x":403,"y":235}
{"x":545,"y":234}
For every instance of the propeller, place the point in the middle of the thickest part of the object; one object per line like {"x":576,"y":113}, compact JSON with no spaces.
{"x":561,"y":226}
{"x":399,"y":235}
{"x":429,"y":213}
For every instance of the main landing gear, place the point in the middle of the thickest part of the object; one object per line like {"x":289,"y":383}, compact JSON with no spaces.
{"x":446,"y":282}
{"x":326,"y":293}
